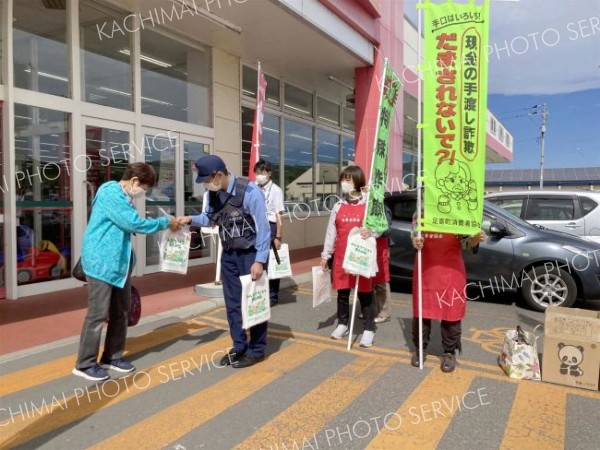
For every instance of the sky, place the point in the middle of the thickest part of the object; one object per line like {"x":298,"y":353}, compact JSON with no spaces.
{"x":545,"y":51}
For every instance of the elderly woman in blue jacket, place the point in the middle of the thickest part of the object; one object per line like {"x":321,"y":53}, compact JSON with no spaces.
{"x":107,"y":260}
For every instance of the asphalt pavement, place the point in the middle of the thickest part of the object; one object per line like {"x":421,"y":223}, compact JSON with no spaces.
{"x":310,"y":393}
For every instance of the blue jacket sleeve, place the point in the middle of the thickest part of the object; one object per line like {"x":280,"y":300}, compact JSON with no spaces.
{"x":124,"y":216}
{"x":255,"y":203}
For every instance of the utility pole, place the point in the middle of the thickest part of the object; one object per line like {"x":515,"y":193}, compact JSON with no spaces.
{"x":543,"y":134}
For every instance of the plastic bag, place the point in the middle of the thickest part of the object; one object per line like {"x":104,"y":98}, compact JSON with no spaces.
{"x":174,"y":250}
{"x":321,"y":286}
{"x":284,"y":269}
{"x":519,"y":357}
{"x":361,"y":255}
{"x":256,"y":305}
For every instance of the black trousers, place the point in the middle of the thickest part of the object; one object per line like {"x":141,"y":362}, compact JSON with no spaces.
{"x":451,"y":334}
{"x":366,"y":305}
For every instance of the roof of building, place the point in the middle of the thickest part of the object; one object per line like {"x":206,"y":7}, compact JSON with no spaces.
{"x":523,"y":176}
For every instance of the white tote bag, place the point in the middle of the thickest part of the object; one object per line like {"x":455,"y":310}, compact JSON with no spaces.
{"x":174,"y":251}
{"x":284,"y":269}
{"x":361,"y":255}
{"x":321,"y":286}
{"x":255,"y":300}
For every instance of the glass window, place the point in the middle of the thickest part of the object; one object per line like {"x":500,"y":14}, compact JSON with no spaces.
{"x":269,"y":148}
{"x":159,"y":150}
{"x":328,"y":112}
{"x":327,"y":170}
{"x":348,"y":119}
{"x":250,"y":83}
{"x":40,"y":50}
{"x":587,"y":205}
{"x":105,"y":62}
{"x":512,"y":205}
{"x":43,"y":184}
{"x":298,"y":175}
{"x":107,"y":153}
{"x":348,"y":151}
{"x":298,"y":101}
{"x":551,"y":209}
{"x":176,"y":80}
{"x":194,"y":197}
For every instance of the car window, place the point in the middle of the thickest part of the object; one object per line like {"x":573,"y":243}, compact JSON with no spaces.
{"x":587,"y":205}
{"x":551,"y":209}
{"x":512,"y":205}
{"x":404,"y":209}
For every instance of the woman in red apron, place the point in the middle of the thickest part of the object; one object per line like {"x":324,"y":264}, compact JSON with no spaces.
{"x":444,"y":283}
{"x":346,"y":215}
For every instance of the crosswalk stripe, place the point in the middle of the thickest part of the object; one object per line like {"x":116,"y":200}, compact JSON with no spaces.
{"x":318,"y":407}
{"x":342,"y":343}
{"x":424,"y":417}
{"x":77,"y":406}
{"x":492,"y":372}
{"x":172,"y":423}
{"x":537,"y":418}
{"x":61,"y":367}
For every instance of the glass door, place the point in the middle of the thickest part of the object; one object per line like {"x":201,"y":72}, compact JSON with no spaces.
{"x":173,"y":155}
{"x":193,"y":149}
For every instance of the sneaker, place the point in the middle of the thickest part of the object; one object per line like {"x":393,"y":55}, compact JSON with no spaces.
{"x":448,"y":362}
{"x":120,"y":365}
{"x":381,"y":319}
{"x":339,"y":332}
{"x":367,"y":339}
{"x":94,"y":373}
{"x":414,"y":361}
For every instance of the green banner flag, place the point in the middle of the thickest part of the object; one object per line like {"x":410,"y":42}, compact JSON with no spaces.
{"x":454,"y":116}
{"x":375,"y":218}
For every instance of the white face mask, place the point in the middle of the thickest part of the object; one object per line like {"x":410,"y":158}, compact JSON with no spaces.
{"x":135,"y":191}
{"x":212,"y":187}
{"x":262,"y":179}
{"x":347,"y":187}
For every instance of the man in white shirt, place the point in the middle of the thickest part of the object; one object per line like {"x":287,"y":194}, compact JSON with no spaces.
{"x":275,"y":207}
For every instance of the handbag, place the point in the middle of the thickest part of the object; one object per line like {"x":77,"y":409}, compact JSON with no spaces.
{"x":519,"y":357}
{"x":135,"y":308}
{"x":78,"y":272}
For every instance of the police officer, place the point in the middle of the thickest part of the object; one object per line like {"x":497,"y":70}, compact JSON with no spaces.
{"x":238,"y":208}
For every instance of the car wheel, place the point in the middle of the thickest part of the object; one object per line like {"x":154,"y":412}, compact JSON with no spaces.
{"x":544,"y":288}
{"x":54,"y":272}
{"x":23,"y":276}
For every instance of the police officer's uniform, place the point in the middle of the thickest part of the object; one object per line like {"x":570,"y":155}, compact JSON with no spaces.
{"x":245,"y":234}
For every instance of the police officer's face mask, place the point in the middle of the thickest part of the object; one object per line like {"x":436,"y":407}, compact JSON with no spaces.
{"x":213,"y":187}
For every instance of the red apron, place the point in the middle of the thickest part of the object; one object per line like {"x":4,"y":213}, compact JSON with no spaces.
{"x":348,"y":217}
{"x":444,"y":278}
{"x":383,"y":260}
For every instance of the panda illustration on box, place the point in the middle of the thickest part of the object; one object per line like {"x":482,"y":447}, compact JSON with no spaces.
{"x":570,"y":357}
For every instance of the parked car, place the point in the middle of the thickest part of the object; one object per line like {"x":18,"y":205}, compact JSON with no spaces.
{"x":574,"y":212}
{"x":546,"y":267}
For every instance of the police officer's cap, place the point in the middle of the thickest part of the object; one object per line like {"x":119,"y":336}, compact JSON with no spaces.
{"x":207,"y":166}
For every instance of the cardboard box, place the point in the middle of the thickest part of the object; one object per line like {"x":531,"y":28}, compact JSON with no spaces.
{"x":572,"y":347}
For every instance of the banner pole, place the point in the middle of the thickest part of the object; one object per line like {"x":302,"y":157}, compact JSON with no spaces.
{"x":419,"y":182}
{"x":353,"y":314}
{"x":256,"y":155}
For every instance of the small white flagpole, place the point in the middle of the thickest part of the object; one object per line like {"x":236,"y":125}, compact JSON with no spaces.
{"x":353,"y":313}
{"x":419,"y":186}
